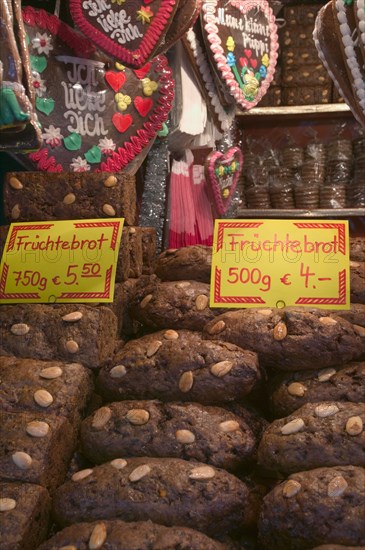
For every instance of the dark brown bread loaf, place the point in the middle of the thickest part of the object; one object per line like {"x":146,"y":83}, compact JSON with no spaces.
{"x":290,"y":338}
{"x":357,"y":282}
{"x":58,"y":332}
{"x":149,"y":250}
{"x":328,"y":433}
{"x":338,"y":547}
{"x":187,"y":263}
{"x":51,"y":387}
{"x":35,"y":448}
{"x":135,"y":251}
{"x":357,"y":249}
{"x":179,"y":366}
{"x":39,"y":196}
{"x":24,"y":515}
{"x":179,"y":430}
{"x":289,"y":391}
{"x":306,"y":95}
{"x":301,"y":14}
{"x":313,"y":75}
{"x":172,"y":304}
{"x":321,"y":506}
{"x":354,"y":315}
{"x":136,"y":535}
{"x":168,"y":491}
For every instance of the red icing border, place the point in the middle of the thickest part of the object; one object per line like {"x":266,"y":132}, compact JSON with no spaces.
{"x":210,"y":19}
{"x":134,"y":58}
{"x":221,"y":204}
{"x":124,"y":155}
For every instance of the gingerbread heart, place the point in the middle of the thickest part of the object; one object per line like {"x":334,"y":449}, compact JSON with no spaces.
{"x":236,"y":30}
{"x":128,"y":31}
{"x":222,"y":171}
{"x":87,"y":108}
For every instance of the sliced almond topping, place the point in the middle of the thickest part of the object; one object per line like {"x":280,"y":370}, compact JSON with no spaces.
{"x":132,"y":230}
{"x":72,"y":346}
{"x":186,"y":381}
{"x":170,"y":251}
{"x":43,"y":398}
{"x":325,"y":374}
{"x":19,"y":329}
{"x":101,"y":418}
{"x":72,"y":317}
{"x":354,"y":264}
{"x":118,"y":463}
{"x":201,"y":302}
{"x":229,"y":426}
{"x":264,"y":311}
{"x":139,"y":472}
{"x":82,"y":474}
{"x":108,"y":210}
{"x":69,"y":198}
{"x":183,"y":284}
{"x":15,"y":212}
{"x":327,"y":321}
{"x":291,"y":488}
{"x":153,"y":348}
{"x":37,"y":428}
{"x":217,"y":327}
{"x":50,"y":373}
{"x":324,"y":410}
{"x":360,"y":331}
{"x":110,"y":181}
{"x":185,"y":436}
{"x":7,"y":504}
{"x":68,"y":547}
{"x":280,"y":331}
{"x":22,"y":460}
{"x":98,"y":536}
{"x":146,"y":300}
{"x":15,"y":183}
{"x":293,"y":426}
{"x":354,"y":425}
{"x":337,"y":486}
{"x":221,"y":369}
{"x":202,"y":472}
{"x":138,"y":417}
{"x":171,"y":335}
{"x":297,"y":389}
{"x":118,"y":371}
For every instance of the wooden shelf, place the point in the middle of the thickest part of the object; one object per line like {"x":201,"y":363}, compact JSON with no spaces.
{"x":247,"y":213}
{"x":298,"y":111}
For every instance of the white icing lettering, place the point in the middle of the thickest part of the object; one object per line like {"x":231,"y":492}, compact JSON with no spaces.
{"x":89,"y":125}
{"x":255,"y":35}
{"x":95,"y":7}
{"x":118,"y":25}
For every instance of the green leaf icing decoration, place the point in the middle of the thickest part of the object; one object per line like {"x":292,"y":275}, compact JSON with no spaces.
{"x":72,"y":142}
{"x":45,"y":105}
{"x":38,"y":63}
{"x":93,"y":155}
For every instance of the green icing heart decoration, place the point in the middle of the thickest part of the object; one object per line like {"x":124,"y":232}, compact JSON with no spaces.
{"x":45,"y":105}
{"x":72,"y":142}
{"x":93,"y":155}
{"x":38,"y":63}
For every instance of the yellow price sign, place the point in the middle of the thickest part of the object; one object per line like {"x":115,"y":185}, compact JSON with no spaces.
{"x":61,"y":261}
{"x":274,"y":263}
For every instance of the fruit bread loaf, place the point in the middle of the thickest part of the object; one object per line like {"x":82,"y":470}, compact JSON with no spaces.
{"x":312,"y":75}
{"x":135,"y":251}
{"x":51,"y":386}
{"x":290,"y":338}
{"x":169,"y":491}
{"x":321,"y":506}
{"x":190,"y":263}
{"x":179,"y":366}
{"x":35,"y":448}
{"x":39,"y":196}
{"x":355,"y":315}
{"x":301,"y":14}
{"x":135,"y":535}
{"x":306,"y":95}
{"x":170,"y":304}
{"x":328,"y":433}
{"x":357,"y":282}
{"x":149,"y":250}
{"x":338,"y":547}
{"x":289,"y":391}
{"x":179,"y":430}
{"x":66,"y":332}
{"x":24,"y":515}
{"x":357,"y":249}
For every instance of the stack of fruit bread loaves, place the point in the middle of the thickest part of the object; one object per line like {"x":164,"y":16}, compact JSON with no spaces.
{"x":158,"y":423}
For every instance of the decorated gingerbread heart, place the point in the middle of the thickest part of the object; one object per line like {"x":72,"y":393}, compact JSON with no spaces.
{"x":95,"y":115}
{"x":222,"y":171}
{"x":241,"y":37}
{"x":130,"y":31}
